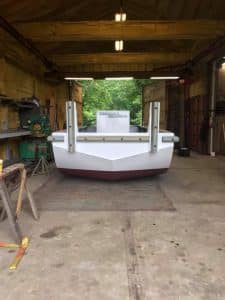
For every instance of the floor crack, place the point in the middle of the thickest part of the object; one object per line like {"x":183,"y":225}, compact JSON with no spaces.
{"x":133,"y":273}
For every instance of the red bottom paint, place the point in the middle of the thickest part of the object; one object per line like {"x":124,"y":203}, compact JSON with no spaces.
{"x":110,"y":175}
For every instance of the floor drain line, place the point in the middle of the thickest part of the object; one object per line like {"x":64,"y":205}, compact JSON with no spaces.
{"x":133,"y":274}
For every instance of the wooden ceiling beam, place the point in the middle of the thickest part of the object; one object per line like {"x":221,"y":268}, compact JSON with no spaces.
{"x":106,"y":68}
{"x":50,"y":48}
{"x":16,"y":54}
{"x":130,"y":30}
{"x":121,"y":58}
{"x":27,"y":44}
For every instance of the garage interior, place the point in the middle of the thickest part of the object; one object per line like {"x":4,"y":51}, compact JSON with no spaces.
{"x":150,"y":238}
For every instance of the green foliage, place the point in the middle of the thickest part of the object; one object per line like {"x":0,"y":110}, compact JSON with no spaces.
{"x":112,"y":95}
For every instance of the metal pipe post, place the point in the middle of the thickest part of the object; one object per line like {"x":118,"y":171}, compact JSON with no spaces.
{"x":212,"y":108}
{"x":154,"y":116}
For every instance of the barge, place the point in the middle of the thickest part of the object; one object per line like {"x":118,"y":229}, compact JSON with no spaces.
{"x":114,"y":149}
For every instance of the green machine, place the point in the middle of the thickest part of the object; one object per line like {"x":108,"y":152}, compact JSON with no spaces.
{"x":36,"y":146}
{"x":33,"y":149}
{"x":39,"y":125}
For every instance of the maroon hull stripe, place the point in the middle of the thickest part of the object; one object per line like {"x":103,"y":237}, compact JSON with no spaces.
{"x":108,"y":175}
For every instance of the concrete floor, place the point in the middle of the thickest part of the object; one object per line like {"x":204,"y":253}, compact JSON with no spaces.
{"x":120,"y":255}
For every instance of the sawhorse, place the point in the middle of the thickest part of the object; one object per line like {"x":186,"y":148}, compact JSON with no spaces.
{"x":4,"y":194}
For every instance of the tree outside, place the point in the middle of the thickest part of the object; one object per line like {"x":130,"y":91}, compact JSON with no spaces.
{"x":112,"y":95}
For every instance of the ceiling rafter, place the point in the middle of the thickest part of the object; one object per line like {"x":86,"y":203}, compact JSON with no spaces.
{"x":123,"y":58}
{"x":130,"y":30}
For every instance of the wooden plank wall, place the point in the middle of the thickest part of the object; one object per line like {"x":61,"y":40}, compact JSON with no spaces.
{"x":174,"y":93}
{"x":2,"y":76}
{"x":199,"y":112}
{"x":199,"y":84}
{"x":77,"y":97}
{"x":219,"y":138}
{"x":156,"y":91}
{"x":196,"y":123}
{"x":219,"y":125}
{"x":17,"y":83}
{"x":199,"y":87}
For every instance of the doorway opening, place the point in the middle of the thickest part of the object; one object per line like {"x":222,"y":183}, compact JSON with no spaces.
{"x":112,"y":95}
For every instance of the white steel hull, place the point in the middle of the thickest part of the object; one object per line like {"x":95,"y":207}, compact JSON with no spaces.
{"x":112,"y":160}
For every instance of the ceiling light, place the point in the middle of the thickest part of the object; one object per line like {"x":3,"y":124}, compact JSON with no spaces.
{"x":79,"y":78}
{"x":120,"y":17}
{"x":119,"y":78}
{"x":164,"y":77}
{"x":119,"y":45}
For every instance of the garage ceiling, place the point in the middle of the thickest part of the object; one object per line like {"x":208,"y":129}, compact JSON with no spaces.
{"x":87,"y":10}
{"x":79,"y":35}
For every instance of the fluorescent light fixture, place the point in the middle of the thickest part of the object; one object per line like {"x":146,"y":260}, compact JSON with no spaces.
{"x":120,"y":17}
{"x":119,"y":45}
{"x":79,"y":78}
{"x":119,"y":78}
{"x":164,"y":77}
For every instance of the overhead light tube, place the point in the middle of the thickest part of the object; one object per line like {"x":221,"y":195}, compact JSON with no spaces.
{"x":79,"y":78}
{"x":119,"y":78}
{"x":164,"y":77}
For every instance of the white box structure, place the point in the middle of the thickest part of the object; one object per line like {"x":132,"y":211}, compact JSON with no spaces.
{"x":113,"y":121}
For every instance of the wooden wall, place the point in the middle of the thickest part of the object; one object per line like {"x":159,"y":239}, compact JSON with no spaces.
{"x":200,"y":89}
{"x":219,"y":124}
{"x":156,"y":91}
{"x":2,"y":75}
{"x":17,"y":83}
{"x":77,"y":97}
{"x":197,"y":111}
{"x":221,"y":84}
{"x":199,"y":82}
{"x":175,"y":100}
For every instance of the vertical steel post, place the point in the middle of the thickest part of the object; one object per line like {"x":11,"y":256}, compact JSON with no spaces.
{"x":154,"y":115}
{"x":71,"y":125}
{"x":212,"y":108}
{"x":71,"y":119}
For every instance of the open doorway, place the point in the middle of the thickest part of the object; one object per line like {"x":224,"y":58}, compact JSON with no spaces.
{"x":112,"y":95}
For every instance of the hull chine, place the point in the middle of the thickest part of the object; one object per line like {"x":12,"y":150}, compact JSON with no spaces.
{"x":113,"y":175}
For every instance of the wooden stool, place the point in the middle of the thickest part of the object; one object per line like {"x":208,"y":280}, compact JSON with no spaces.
{"x":13,"y":218}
